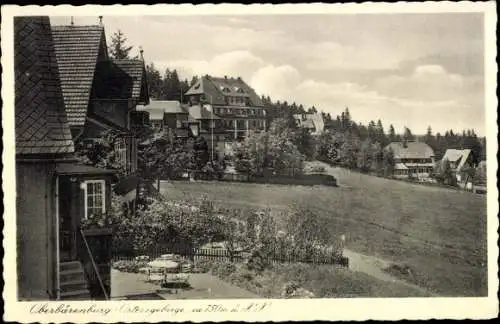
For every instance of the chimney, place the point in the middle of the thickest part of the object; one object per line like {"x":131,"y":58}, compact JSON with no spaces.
{"x":225,"y":77}
{"x":100,"y":20}
{"x":239,"y":78}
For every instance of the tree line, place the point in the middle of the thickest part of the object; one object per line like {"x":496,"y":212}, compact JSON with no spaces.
{"x":345,"y":142}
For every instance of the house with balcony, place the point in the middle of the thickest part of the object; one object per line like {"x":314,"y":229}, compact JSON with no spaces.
{"x":56,"y":257}
{"x":313,"y":122}
{"x":227,"y":108}
{"x":101,"y":94}
{"x":412,"y":159}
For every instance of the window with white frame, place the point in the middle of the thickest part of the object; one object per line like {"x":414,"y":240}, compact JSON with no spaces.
{"x":95,"y":198}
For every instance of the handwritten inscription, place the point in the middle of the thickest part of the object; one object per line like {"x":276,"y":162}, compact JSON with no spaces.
{"x":130,"y":308}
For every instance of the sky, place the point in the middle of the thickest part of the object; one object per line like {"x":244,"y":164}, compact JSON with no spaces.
{"x":411,"y":70}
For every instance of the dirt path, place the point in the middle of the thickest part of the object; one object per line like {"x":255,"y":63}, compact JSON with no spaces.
{"x":374,"y":266}
{"x":370,"y":265}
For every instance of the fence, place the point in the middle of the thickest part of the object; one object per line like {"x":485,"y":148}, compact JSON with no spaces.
{"x":305,"y":179}
{"x":330,"y":256}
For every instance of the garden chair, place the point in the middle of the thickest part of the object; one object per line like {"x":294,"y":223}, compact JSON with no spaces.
{"x":156,"y":275}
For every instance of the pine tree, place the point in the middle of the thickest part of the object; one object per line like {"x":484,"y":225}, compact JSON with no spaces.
{"x":407,"y":135}
{"x":392,"y":134}
{"x":194,"y":79}
{"x":155,"y":82}
{"x":118,"y":50}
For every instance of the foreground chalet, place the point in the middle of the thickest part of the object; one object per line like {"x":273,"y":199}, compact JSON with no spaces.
{"x":56,"y":257}
{"x":412,"y":159}
{"x":101,"y":94}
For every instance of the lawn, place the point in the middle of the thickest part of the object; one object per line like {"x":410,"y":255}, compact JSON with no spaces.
{"x":439,"y":233}
{"x":323,"y":281}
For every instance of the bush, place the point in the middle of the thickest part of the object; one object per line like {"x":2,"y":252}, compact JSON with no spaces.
{"x":318,"y":169}
{"x":129,"y":265}
{"x":223,"y":269}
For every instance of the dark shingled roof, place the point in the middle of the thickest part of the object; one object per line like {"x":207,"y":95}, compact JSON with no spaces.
{"x":41,"y":124}
{"x":112,"y":82}
{"x":136,"y":70}
{"x":77,"y":50}
{"x":412,"y":150}
{"x":74,"y":168}
{"x":218,"y":88}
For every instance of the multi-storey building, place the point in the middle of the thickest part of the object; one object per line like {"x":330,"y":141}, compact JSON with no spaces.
{"x":227,"y":109}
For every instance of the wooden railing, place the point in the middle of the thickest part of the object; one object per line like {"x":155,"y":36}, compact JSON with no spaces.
{"x":96,"y":271}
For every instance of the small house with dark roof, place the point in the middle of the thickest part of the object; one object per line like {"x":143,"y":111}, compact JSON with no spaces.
{"x":100,"y":94}
{"x":171,"y":116}
{"x":314,"y":122}
{"x":459,"y":160}
{"x":412,"y":159}
{"x":227,"y":108}
{"x":54,"y":193}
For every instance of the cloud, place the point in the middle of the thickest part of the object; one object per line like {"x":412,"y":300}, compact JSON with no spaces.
{"x":235,"y":63}
{"x":331,"y":55}
{"x":278,"y":81}
{"x":367,"y":104}
{"x":431,"y":82}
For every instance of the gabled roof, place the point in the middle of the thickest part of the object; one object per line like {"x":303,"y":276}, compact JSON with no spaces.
{"x":77,"y":51}
{"x":41,"y":124}
{"x":459,"y":156}
{"x":121,"y":79}
{"x":137,"y":71}
{"x":311,"y":121}
{"x":412,"y":150}
{"x":217,"y":88}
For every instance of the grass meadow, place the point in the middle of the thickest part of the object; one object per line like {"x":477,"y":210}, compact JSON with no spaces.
{"x":438,"y":233}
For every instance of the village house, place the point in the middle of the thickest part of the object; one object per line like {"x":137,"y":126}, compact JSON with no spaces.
{"x":459,"y":160}
{"x":227,"y":109}
{"x":101,"y":94}
{"x":412,"y":159}
{"x":172,"y":117}
{"x":56,"y":258}
{"x":314,"y":122}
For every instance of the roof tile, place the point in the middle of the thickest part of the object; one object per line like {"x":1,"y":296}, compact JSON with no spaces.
{"x":41,"y":124}
{"x":77,"y":51}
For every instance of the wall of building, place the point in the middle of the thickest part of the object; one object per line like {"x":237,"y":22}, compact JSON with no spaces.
{"x":113,"y":111}
{"x":36,"y":239}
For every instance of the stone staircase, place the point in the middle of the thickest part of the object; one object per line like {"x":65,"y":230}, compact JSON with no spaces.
{"x":73,"y":284}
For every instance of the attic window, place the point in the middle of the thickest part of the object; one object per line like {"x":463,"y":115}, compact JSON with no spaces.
{"x":225,"y":89}
{"x":197,"y":86}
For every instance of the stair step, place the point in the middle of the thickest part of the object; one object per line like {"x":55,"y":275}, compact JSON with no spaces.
{"x":75,"y":294}
{"x":72,"y":265}
{"x":73,"y":287}
{"x":71,"y":276}
{"x":72,"y":282}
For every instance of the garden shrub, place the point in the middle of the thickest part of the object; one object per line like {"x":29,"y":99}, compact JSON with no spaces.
{"x":129,"y":265}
